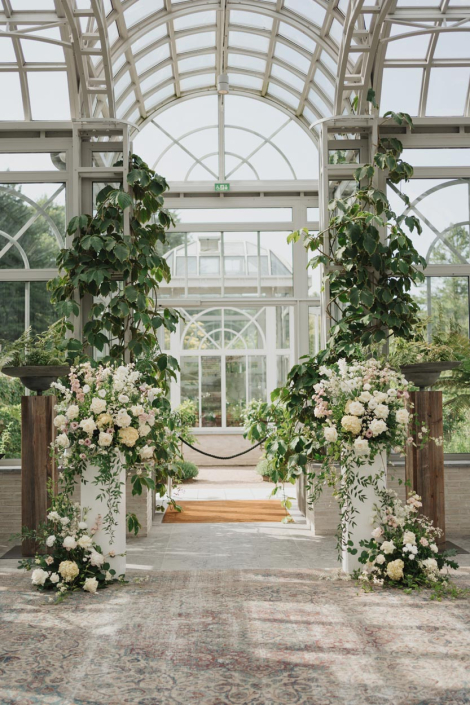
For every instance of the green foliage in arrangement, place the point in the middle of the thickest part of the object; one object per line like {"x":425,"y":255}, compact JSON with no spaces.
{"x":371,"y":262}
{"x":121,"y":272}
{"x":187,"y":470}
{"x":264,"y":468}
{"x":47,"y":348}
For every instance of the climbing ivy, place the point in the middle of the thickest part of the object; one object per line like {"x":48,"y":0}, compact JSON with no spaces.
{"x":121,"y":272}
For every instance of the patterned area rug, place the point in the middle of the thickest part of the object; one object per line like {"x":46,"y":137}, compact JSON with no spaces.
{"x":233,"y":511}
{"x":232,"y":638}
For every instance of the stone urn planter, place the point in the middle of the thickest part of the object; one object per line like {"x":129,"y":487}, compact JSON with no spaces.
{"x":426,"y":374}
{"x":37,"y":378}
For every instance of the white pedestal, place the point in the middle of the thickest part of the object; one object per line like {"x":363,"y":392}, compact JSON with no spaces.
{"x":97,"y":507}
{"x":362,"y":518}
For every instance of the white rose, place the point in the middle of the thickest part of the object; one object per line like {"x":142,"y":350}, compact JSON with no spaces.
{"x":365,"y":397}
{"x":356,"y":408}
{"x":123,"y":419}
{"x":351,"y":424}
{"x":361,"y":446}
{"x":96,"y":559}
{"x":108,"y":576}
{"x":137,"y":410}
{"x":330,"y":433}
{"x":83,"y":525}
{"x":88,"y":425}
{"x":134,"y":376}
{"x":154,"y":392}
{"x":388,"y":547}
{"x":433,"y":548}
{"x":97,"y":405}
{"x":151,"y":420}
{"x":380,"y":559}
{"x":60,"y":420}
{"x":85,"y":542}
{"x":105,"y":439}
{"x":392,"y":392}
{"x":63,"y":441}
{"x":430,"y":564}
{"x":367,"y":387}
{"x":123,"y":398}
{"x":39,"y":576}
{"x":381,"y":411}
{"x":409,"y":537}
{"x":147,"y":452}
{"x":90,"y":585}
{"x":69,"y":543}
{"x":72,"y":412}
{"x":50,"y":541}
{"x":377,"y":533}
{"x":118,"y":385}
{"x":86,"y":388}
{"x":144,"y":430}
{"x":54,"y":578}
{"x":380,"y":397}
{"x":102,"y":393}
{"x":64,"y":521}
{"x":377,"y":427}
{"x":402,"y":416}
{"x":53,"y":516}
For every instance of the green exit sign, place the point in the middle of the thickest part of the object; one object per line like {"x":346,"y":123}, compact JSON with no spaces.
{"x":221,"y":187}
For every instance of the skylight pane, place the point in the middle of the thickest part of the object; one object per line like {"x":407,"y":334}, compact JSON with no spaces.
{"x":153,"y":58}
{"x":192,"y":82}
{"x":308,"y":8}
{"x":324,"y":83}
{"x":285,"y":30}
{"x":156,"y":78}
{"x":141,"y":9}
{"x":43,"y":51}
{"x":32,"y":5}
{"x":319,"y":103}
{"x":255,"y":115}
{"x":161,"y":95}
{"x":119,"y":63}
{"x":196,"y":19}
{"x":401,"y":89}
{"x":121,"y":85}
{"x":201,"y":61}
{"x":289,"y":56}
{"x":123,"y":108}
{"x":12,"y":109}
{"x":178,"y":119}
{"x":243,"y":61}
{"x":283,"y":95}
{"x":448,"y":89}
{"x":287,"y":77}
{"x":250,"y":19}
{"x":453,"y":45}
{"x":239,"y":79}
{"x":113,"y":33}
{"x":409,"y":48}
{"x":7,"y":53}
{"x":149,"y":38}
{"x":326,"y":59}
{"x":49,"y":104}
{"x":244,"y":40}
{"x":336,"y":31}
{"x":201,"y":40}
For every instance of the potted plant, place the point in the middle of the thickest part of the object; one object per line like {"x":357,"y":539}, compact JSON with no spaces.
{"x":38,"y":360}
{"x":420,"y":361}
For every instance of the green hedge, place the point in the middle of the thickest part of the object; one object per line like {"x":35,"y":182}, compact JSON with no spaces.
{"x":187,"y":470}
{"x":12,"y":414}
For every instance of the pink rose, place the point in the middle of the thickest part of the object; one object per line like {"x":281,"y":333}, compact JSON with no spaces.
{"x":87,"y":441}
{"x":82,"y":456}
{"x":74,"y":425}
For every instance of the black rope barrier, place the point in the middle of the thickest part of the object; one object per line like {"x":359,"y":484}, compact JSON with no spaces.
{"x":222,"y":457}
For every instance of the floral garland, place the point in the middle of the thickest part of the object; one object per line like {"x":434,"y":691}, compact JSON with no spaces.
{"x":106,"y":416}
{"x":359,"y":411}
{"x":70,"y":559}
{"x":403,"y":549}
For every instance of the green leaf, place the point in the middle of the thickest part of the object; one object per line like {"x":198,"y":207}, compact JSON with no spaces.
{"x":370,"y":245}
{"x":367,"y":297}
{"x":124,"y":200}
{"x":121,"y":252}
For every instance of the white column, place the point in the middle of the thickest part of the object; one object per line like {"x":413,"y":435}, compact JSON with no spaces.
{"x":97,"y":508}
{"x":364,"y":511}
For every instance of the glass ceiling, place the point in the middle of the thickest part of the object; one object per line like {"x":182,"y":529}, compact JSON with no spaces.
{"x":133,"y":58}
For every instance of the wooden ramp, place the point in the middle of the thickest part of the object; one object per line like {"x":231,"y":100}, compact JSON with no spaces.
{"x":226,"y":512}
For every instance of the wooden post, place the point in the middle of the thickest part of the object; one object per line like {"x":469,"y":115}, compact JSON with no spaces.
{"x":424,"y":467}
{"x":37,"y":466}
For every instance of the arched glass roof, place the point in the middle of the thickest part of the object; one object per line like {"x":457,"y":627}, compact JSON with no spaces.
{"x":132,"y":58}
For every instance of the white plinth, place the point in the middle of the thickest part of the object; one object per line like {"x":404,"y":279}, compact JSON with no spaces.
{"x":362,"y":518}
{"x":98,"y":507}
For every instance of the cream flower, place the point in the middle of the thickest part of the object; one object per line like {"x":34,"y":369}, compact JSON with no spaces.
{"x":88,"y":425}
{"x":96,"y":559}
{"x":351,"y":424}
{"x":380,"y":397}
{"x":54,"y":578}
{"x":39,"y":576}
{"x":433,"y":548}
{"x":395,"y":569}
{"x":63,"y":441}
{"x":105,"y":439}
{"x":90,"y":585}
{"x":60,"y":421}
{"x":430,"y":564}
{"x":104,"y":420}
{"x":377,"y":533}
{"x":331,"y":434}
{"x":68,"y":570}
{"x":123,"y":398}
{"x":409,"y":537}
{"x":128,"y":436}
{"x":377,"y":427}
{"x":356,"y":408}
{"x":83,"y":525}
{"x":53,"y":516}
{"x":381,"y":411}
{"x":361,"y":446}
{"x":365,"y":397}
{"x":123,"y":419}
{"x":72,"y":412}
{"x":388,"y":547}
{"x":69,"y":543}
{"x":137,"y":410}
{"x":50,"y":541}
{"x":85,"y":542}
{"x":108,"y":576}
{"x":147,"y":452}
{"x":98,"y":406}
{"x":144,"y":430}
{"x":402,"y":416}
{"x":102,"y":393}
{"x":380,"y":559}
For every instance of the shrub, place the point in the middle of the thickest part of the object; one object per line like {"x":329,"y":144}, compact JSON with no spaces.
{"x":264,"y":468}
{"x":187,"y":470}
{"x":10,"y":416}
{"x":11,"y":390}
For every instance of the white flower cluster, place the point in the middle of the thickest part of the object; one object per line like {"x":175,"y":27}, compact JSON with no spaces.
{"x":361,"y":405}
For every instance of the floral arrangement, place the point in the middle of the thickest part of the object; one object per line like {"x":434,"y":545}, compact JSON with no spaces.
{"x":71,"y":560}
{"x":403,"y":548}
{"x":106,"y":415}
